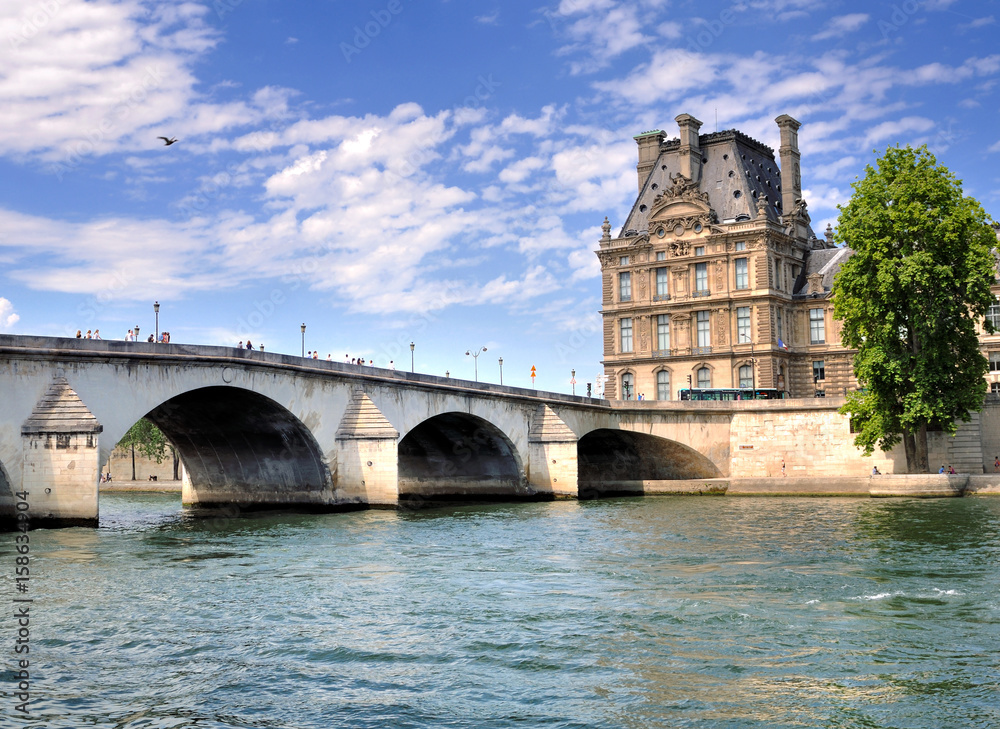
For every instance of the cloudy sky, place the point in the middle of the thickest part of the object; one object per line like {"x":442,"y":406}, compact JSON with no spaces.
{"x":434,"y":171}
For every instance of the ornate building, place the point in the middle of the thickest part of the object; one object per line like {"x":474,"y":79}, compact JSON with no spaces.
{"x":717,"y":279}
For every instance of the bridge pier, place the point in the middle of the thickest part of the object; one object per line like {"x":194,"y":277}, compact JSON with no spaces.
{"x":552,"y":455}
{"x":61,"y":460}
{"x":367,"y":457}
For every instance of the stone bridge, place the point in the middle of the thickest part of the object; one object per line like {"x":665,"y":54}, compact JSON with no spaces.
{"x":261,"y":429}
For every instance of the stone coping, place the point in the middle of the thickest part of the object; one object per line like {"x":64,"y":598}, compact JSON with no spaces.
{"x":53,"y":348}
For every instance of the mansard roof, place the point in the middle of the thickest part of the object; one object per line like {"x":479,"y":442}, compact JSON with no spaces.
{"x":736,"y":171}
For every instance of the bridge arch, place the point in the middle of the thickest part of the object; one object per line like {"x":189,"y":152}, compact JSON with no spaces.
{"x":241,"y":447}
{"x":611,"y":460}
{"x":458,"y":454}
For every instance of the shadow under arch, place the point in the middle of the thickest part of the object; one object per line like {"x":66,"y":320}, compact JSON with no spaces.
{"x":7,"y":501}
{"x":619,"y":461}
{"x":240,"y":447}
{"x":459,"y":455}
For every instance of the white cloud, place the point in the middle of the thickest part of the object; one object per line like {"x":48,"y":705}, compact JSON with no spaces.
{"x":7,"y":316}
{"x":87,"y":78}
{"x":994,"y":147}
{"x":842,"y":25}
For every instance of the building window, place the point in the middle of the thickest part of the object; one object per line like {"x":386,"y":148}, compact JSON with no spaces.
{"x":661,"y":255}
{"x":742,"y":278}
{"x":995,"y":388}
{"x":699,"y":250}
{"x":742,"y":324}
{"x":993,"y":315}
{"x":626,"y":327}
{"x":661,"y":281}
{"x":779,"y":329}
{"x":741,"y":245}
{"x":704,"y":377}
{"x":662,"y":385}
{"x":746,"y":376}
{"x":623,"y":261}
{"x":704,"y":329}
{"x":819,"y":370}
{"x":628,"y":386}
{"x":625,"y":286}
{"x":994,"y":361}
{"x":701,"y":277}
{"x":817,"y":329}
{"x":663,"y":333}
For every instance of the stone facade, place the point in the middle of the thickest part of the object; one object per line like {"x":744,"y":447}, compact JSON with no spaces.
{"x":717,"y":279}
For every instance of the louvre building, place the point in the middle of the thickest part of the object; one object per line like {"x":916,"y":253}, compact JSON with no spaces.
{"x":717,"y":279}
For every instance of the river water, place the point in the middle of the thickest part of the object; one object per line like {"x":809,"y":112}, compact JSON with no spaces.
{"x":651,"y":612}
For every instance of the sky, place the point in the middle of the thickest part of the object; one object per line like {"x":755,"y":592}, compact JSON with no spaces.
{"x":434,"y":171}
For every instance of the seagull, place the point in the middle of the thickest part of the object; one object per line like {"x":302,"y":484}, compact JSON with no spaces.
{"x":167,"y":142}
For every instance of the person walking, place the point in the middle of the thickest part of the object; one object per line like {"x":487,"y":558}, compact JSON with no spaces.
{"x":97,"y":334}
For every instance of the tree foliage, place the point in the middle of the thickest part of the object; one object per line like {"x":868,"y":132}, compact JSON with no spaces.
{"x":910,"y":298}
{"x":146,"y":439}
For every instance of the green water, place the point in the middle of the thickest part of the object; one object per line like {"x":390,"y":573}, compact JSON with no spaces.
{"x":655,"y":612}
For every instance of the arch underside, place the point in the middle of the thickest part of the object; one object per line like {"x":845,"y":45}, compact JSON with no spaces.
{"x":240,"y":447}
{"x":7,"y":512}
{"x":455,"y":454}
{"x":620,"y":461}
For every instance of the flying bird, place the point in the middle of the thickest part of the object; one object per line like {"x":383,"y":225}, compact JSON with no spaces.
{"x":167,"y":142}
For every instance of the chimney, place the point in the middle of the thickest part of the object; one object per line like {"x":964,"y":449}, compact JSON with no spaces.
{"x":649,"y":151}
{"x":791,"y":175}
{"x":690,"y":151}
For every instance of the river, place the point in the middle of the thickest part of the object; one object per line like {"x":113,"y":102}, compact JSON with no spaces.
{"x":641,"y":612}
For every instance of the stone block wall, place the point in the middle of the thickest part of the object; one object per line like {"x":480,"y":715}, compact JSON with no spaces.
{"x":60,"y":475}
{"x":813,"y":443}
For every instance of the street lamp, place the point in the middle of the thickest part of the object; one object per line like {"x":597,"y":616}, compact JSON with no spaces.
{"x":475,"y":358}
{"x":501,"y":370}
{"x":156,"y":311}
{"x":572,"y":380}
{"x":412,"y":347}
{"x":137,"y":333}
{"x":303,"y":329}
{"x":625,"y":387}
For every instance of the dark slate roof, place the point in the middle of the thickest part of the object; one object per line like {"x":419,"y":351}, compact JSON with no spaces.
{"x":826,"y":262}
{"x":736,"y":171}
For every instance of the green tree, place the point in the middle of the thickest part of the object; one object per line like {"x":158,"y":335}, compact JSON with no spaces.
{"x":147,"y":439}
{"x":910,"y":298}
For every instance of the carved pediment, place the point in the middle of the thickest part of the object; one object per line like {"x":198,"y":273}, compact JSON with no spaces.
{"x":814,"y":283}
{"x":682,"y":200}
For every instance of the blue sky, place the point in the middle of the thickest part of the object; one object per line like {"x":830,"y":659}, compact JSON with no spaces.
{"x":424,"y":170}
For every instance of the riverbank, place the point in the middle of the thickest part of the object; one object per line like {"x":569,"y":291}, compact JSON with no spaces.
{"x":138,"y":486}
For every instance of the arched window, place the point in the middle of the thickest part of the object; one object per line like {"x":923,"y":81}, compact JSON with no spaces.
{"x":628,"y":387}
{"x":746,"y":376}
{"x":704,"y":377}
{"x":662,"y":385}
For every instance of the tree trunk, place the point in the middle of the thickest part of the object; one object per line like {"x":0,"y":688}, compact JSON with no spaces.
{"x":133,"y":463}
{"x":920,"y":438}
{"x":915,"y":445}
{"x":177,"y":463}
{"x":910,"y":446}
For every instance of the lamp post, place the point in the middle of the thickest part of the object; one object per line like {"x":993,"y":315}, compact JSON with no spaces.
{"x":412,"y":347}
{"x":156,"y":312}
{"x":625,"y":388}
{"x":501,"y":370}
{"x":137,"y":333}
{"x":303,"y":330}
{"x":475,"y":359}
{"x":572,"y":380}
{"x":447,"y":374}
